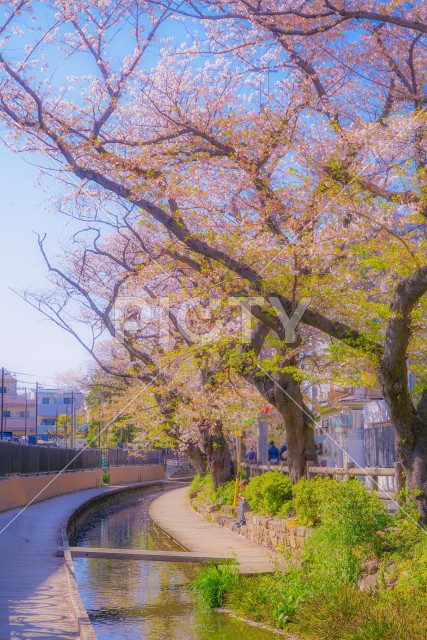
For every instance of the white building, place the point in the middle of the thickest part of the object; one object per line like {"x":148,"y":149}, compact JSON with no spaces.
{"x":51,"y":403}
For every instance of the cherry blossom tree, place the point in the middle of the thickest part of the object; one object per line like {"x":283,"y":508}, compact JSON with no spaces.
{"x":316,"y":191}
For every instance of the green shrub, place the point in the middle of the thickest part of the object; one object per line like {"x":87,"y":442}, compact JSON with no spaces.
{"x":268,"y":493}
{"x":285,"y":509}
{"x":196,"y":483}
{"x":330,"y":559}
{"x":213,"y":582}
{"x":106,"y":478}
{"x":306,"y":501}
{"x":405,"y":533}
{"x":350,"y":530}
{"x":203,"y":486}
{"x":349,"y":505}
{"x":225,"y":494}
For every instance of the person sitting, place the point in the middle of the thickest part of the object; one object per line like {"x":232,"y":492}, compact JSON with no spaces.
{"x":273,"y":453}
{"x":243,"y":505}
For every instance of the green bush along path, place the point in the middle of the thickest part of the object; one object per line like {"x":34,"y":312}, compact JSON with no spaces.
{"x":363,"y":573}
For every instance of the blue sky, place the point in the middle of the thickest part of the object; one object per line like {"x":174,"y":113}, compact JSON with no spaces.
{"x":28,"y":342}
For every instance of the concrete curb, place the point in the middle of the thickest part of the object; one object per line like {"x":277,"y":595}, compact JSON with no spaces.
{"x":85,"y":628}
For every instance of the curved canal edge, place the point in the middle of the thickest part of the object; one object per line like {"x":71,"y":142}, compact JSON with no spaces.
{"x":173,"y":513}
{"x":77,"y":518}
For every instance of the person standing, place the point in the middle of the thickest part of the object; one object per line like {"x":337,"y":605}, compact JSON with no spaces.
{"x":284,"y":452}
{"x":251,"y":455}
{"x":273,"y":453}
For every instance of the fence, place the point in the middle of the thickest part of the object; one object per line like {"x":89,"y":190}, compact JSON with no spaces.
{"x":371,"y":475}
{"x":25,"y":459}
{"x":122,"y":458}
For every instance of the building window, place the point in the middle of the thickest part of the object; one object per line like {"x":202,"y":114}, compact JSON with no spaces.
{"x":3,"y":389}
{"x":45,"y":400}
{"x":67,"y":400}
{"x":6,"y":414}
{"x":347,"y":420}
{"x":48,"y":421}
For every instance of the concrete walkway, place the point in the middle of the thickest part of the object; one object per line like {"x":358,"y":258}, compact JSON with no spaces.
{"x":34,"y":602}
{"x":173,"y":513}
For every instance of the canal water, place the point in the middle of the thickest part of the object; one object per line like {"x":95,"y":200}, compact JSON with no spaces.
{"x":131,"y":600}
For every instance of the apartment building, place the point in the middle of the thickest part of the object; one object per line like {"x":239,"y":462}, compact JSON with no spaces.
{"x":19,"y":408}
{"x":52,"y":403}
{"x":24,"y":409}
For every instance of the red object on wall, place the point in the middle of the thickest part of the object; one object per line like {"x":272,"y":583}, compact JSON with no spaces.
{"x":265,"y":409}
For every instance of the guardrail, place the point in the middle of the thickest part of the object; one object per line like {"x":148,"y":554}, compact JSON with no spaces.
{"x":27,"y":459}
{"x":371,"y":474}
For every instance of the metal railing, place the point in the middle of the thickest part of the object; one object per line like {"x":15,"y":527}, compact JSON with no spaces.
{"x":123,"y":458}
{"x":26,"y":459}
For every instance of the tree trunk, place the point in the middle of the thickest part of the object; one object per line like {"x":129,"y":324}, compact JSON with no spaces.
{"x":194,"y":452}
{"x":410,"y":422}
{"x":217,"y":451}
{"x":414,"y":463}
{"x":299,"y":425}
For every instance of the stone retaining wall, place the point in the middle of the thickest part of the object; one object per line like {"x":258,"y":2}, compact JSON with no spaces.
{"x":273,"y":533}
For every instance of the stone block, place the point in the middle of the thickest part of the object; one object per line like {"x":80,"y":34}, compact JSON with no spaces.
{"x":371,"y":567}
{"x":369,"y":581}
{"x":211,"y":508}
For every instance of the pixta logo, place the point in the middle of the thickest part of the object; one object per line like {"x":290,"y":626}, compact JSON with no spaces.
{"x":136,"y":318}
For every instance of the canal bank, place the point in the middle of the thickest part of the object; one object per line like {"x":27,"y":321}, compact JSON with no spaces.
{"x":37,"y":595}
{"x":34,"y":590}
{"x":39,"y":598}
{"x":145,"y":600}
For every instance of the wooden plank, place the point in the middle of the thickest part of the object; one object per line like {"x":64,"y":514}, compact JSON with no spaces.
{"x":145,"y":555}
{"x":367,"y":471}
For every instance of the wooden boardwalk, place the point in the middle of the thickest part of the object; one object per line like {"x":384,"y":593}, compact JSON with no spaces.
{"x":173,"y":513}
{"x":34,"y":598}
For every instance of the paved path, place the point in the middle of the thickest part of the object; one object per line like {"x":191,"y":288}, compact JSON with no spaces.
{"x":34,"y":603}
{"x":173,"y":513}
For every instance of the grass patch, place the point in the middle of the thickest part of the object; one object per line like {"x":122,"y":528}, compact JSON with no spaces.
{"x":213,"y":582}
{"x":271,"y":599}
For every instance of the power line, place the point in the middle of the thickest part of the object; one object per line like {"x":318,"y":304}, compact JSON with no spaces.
{"x":33,"y":375}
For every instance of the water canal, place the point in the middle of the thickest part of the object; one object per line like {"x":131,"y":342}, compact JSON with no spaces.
{"x":129,"y":600}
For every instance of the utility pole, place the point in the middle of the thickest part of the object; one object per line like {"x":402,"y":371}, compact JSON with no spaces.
{"x":25,"y":415}
{"x":66,"y":429}
{"x":2,"y":402}
{"x":37,"y":410}
{"x":73,"y":421}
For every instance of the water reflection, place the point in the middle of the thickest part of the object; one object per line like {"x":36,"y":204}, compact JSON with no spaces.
{"x":129,"y":600}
